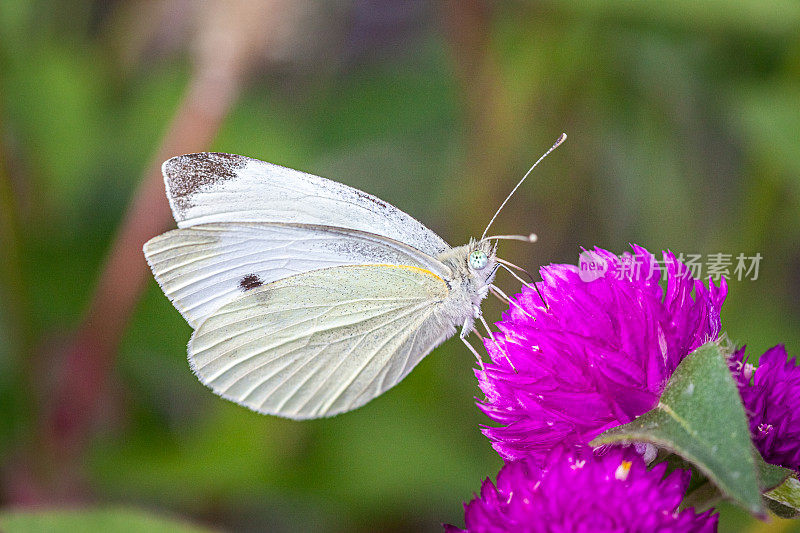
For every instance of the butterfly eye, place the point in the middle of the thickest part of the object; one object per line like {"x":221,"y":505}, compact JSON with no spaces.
{"x":478,"y":260}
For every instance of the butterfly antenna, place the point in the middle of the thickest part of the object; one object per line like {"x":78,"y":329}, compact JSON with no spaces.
{"x":524,"y":238}
{"x":560,"y":140}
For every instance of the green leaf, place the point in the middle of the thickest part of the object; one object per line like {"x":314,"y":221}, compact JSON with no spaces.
{"x":769,"y":476}
{"x":702,"y":494}
{"x":701,"y":418}
{"x":784,"y":500}
{"x":92,"y":520}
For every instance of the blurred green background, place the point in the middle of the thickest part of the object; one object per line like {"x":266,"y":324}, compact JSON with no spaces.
{"x":684,"y":133}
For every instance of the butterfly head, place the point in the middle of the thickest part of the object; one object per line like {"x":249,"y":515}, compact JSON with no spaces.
{"x":475,"y":262}
{"x":473,"y":265}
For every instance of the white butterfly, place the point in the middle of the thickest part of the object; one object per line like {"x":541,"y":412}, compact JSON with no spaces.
{"x":308,"y":298}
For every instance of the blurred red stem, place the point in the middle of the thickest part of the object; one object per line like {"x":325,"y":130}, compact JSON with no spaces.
{"x":13,"y":282}
{"x":89,"y":359}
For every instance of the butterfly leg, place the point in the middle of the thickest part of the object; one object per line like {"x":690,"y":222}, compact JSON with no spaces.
{"x":466,"y":329}
{"x":479,"y":315}
{"x":503,"y":297}
{"x":533,"y":284}
{"x":474,"y":352}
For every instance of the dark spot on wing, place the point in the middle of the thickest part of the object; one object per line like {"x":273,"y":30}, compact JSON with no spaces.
{"x":188,"y":174}
{"x":250,"y":281}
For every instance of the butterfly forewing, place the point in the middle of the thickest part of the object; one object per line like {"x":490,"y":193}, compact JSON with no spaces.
{"x":206,"y":266}
{"x":322,"y":342}
{"x":213,"y":187}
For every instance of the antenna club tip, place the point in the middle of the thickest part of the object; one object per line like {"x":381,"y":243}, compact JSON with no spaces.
{"x":561,"y":139}
{"x":533,"y":237}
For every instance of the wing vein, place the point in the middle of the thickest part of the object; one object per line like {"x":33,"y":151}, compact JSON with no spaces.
{"x":283,"y":341}
{"x":341,"y":390}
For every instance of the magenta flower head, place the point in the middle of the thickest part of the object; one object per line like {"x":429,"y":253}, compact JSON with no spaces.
{"x":771,"y":397}
{"x":597,"y":354}
{"x":582,"y":492}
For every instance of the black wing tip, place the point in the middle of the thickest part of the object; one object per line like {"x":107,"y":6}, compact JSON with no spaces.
{"x":185,"y":174}
{"x":188,"y":162}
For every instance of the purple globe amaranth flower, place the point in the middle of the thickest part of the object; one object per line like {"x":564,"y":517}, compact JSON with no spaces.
{"x":771,"y":397}
{"x":582,"y":492}
{"x":598,"y":354}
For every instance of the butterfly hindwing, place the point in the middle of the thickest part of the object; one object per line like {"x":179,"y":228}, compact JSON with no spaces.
{"x":322,"y":342}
